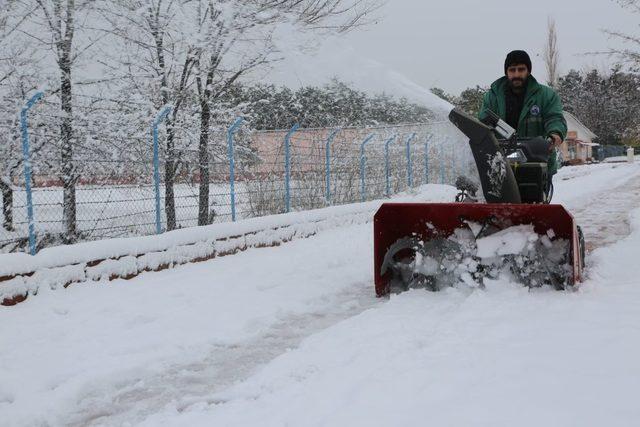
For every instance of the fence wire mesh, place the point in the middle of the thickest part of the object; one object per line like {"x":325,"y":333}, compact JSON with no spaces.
{"x":99,"y":183}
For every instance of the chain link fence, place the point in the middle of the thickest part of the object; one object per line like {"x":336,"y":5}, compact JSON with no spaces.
{"x":110,"y":186}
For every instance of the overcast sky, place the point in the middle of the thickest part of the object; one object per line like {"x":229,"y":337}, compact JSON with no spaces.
{"x":454,"y":44}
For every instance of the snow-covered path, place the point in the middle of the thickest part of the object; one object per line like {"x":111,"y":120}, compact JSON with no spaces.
{"x":165,"y":348}
{"x":603,"y":214}
{"x":130,"y":346}
{"x":500,"y":357}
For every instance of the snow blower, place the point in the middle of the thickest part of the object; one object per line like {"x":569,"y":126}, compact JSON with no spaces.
{"x":516,"y":232}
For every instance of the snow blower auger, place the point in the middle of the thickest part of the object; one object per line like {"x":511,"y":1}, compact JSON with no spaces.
{"x":516,"y":232}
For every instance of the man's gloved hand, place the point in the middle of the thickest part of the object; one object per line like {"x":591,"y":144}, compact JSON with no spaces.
{"x":556,"y":141}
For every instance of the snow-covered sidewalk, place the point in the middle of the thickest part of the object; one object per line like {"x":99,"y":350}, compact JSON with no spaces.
{"x":300,"y":327}
{"x":501,"y":357}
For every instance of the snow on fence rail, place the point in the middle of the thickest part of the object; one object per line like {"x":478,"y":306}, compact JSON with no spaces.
{"x":22,"y":275}
{"x":244,"y":174}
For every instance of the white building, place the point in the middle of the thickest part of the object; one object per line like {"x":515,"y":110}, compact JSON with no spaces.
{"x":577,"y":146}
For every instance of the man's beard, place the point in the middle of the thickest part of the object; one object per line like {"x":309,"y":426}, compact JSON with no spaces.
{"x":517,"y":79}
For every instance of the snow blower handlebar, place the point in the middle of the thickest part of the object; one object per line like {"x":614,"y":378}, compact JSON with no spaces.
{"x":500,"y":126}
{"x":535,"y":149}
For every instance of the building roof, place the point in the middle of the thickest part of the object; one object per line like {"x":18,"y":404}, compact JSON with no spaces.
{"x":573,"y":122}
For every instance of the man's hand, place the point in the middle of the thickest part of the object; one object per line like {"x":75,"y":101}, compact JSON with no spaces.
{"x":556,"y":141}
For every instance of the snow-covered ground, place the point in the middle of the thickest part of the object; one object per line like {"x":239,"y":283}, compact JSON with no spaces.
{"x":620,"y":159}
{"x":293,"y":335}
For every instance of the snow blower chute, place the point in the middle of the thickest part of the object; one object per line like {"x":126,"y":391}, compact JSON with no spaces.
{"x":516,"y":232}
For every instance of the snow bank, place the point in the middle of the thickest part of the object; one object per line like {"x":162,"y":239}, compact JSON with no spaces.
{"x":127,"y":257}
{"x":620,"y":159}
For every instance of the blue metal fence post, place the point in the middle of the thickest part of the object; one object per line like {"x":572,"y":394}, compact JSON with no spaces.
{"x":409,"y":168}
{"x":287,"y":167}
{"x":426,"y":158}
{"x":363,"y":189}
{"x":386,"y":163}
{"x":27,"y":168}
{"x":156,"y":162}
{"x":327,"y":153}
{"x":232,"y":165}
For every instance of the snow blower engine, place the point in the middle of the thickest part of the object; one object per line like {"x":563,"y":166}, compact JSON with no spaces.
{"x":516,"y":233}
{"x":528,"y":160}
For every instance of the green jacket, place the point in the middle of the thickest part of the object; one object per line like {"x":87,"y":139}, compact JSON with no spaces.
{"x":541,"y":112}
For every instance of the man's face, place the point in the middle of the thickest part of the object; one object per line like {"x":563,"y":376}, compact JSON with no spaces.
{"x":517,"y":75}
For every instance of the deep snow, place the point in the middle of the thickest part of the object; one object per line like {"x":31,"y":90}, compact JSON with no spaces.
{"x":293,"y":335}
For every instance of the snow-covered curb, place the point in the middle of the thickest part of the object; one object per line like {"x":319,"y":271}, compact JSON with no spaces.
{"x":620,"y":159}
{"x":125,"y":258}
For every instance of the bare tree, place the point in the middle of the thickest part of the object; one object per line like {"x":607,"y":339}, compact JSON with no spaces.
{"x":6,"y":29}
{"x":235,"y":37}
{"x":551,"y":54}
{"x":157,"y":63}
{"x":54,"y":25}
{"x":629,"y":55}
{"x":5,"y":73}
{"x":221,"y":34}
{"x":188,"y":54}
{"x":16,"y":80}
{"x":155,"y":20}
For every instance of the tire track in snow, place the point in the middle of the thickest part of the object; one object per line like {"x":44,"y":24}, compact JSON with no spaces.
{"x":604,"y":217}
{"x":185,"y":385}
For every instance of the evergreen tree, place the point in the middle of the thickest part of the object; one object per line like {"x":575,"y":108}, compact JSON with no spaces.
{"x":609,"y":104}
{"x":442,"y":94}
{"x":470,"y":99}
{"x":332,"y":105}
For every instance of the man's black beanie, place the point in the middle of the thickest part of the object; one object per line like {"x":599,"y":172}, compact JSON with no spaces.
{"x":517,"y":57}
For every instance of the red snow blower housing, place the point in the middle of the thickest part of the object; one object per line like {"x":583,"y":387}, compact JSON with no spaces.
{"x":516,"y":232}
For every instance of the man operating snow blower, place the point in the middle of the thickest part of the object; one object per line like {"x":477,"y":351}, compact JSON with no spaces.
{"x":437,"y":245}
{"x":532,"y":109}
